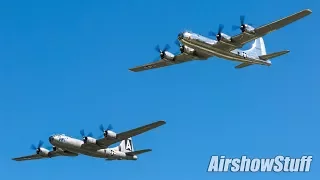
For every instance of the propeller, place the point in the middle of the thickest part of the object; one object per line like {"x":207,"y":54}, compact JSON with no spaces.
{"x":84,"y":136}
{"x":105,"y":131}
{"x":37,"y":148}
{"x":242,"y":26}
{"x":217,"y":35}
{"x":166,"y":48}
{"x":181,"y":47}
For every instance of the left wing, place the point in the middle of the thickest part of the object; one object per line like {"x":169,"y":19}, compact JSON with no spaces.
{"x":30,"y":157}
{"x":181,"y":58}
{"x":125,"y":135}
{"x":40,"y":156}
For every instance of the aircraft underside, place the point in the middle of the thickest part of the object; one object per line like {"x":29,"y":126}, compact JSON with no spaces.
{"x":233,"y":56}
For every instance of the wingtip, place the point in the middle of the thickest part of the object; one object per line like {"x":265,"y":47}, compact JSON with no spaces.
{"x":162,"y":122}
{"x":308,"y":10}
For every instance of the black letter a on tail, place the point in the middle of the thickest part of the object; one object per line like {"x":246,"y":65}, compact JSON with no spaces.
{"x":128,"y":145}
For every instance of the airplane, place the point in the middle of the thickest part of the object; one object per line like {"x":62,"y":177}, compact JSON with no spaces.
{"x":67,"y":146}
{"x":197,"y":47}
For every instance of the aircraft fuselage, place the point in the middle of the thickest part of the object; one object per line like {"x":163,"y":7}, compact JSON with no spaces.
{"x":78,"y":146}
{"x":206,"y":45}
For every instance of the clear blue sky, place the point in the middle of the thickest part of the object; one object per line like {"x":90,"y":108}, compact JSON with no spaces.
{"x":64,"y":67}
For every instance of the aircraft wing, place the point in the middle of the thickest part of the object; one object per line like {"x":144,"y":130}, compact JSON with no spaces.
{"x":30,"y":157}
{"x":127,"y":134}
{"x":39,"y":156}
{"x":181,"y":58}
{"x":244,"y":38}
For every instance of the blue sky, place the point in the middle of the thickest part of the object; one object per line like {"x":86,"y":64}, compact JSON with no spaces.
{"x":64,"y":67}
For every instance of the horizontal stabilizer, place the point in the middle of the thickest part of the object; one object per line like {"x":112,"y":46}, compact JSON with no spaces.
{"x":273,"y":55}
{"x":242,"y":65}
{"x":138,"y":152}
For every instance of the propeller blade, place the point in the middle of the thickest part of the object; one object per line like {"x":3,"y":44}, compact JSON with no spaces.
{"x":82,"y":132}
{"x":40,"y":144}
{"x":101,"y":128}
{"x":33,"y":147}
{"x":110,"y":127}
{"x":221,"y":26}
{"x":157,"y":48}
{"x":242,"y":18}
{"x":166,"y":48}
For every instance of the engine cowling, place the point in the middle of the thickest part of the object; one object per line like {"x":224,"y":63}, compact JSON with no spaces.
{"x":166,"y":55}
{"x":187,"y":49}
{"x":43,"y":151}
{"x":247,"y":28}
{"x":225,"y":37}
{"x":89,"y":140}
{"x":110,"y":134}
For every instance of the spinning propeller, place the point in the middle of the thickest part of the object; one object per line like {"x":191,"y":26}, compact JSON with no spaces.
{"x":37,"y":148}
{"x":84,"y":136}
{"x":181,"y":47}
{"x":162,"y":52}
{"x":105,"y":131}
{"x":217,"y":35}
{"x":242,"y":26}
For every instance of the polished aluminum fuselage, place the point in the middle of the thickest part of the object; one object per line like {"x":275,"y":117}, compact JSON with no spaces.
{"x":78,"y":146}
{"x":206,"y":46}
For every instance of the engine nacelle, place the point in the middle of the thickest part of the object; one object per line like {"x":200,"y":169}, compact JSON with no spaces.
{"x":110,"y":134}
{"x":54,"y":148}
{"x":247,"y":28}
{"x":225,"y":37}
{"x":43,"y":152}
{"x":188,"y":50}
{"x":89,"y":140}
{"x":168,"y":56}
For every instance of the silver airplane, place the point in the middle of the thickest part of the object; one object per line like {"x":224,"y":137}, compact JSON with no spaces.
{"x":197,"y":47}
{"x":67,"y":146}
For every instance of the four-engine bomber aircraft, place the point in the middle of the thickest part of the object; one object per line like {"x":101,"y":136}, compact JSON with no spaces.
{"x":67,"y":146}
{"x":196,"y":47}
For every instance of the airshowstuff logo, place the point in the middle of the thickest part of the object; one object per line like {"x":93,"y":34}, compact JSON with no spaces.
{"x":244,"y":164}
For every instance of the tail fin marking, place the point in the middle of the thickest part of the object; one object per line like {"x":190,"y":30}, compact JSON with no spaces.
{"x":126,"y":145}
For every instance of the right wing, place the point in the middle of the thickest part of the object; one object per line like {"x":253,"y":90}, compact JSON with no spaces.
{"x":243,"y":38}
{"x":127,"y":134}
{"x":181,"y":58}
{"x":39,"y":156}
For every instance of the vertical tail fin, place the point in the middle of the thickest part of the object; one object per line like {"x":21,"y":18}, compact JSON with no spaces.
{"x":258,"y":48}
{"x":126,"y":145}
